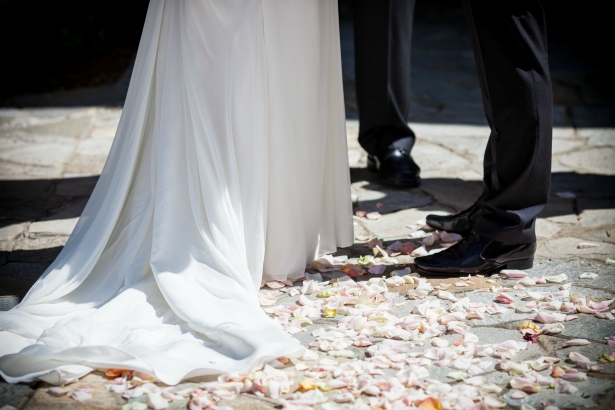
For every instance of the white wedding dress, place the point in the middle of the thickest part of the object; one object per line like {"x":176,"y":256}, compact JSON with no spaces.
{"x":229,"y":167}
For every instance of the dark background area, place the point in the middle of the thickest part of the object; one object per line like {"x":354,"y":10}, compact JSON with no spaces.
{"x":51,"y":46}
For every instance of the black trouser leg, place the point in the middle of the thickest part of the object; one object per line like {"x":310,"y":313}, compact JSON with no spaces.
{"x":510,"y":47}
{"x":383,"y":32}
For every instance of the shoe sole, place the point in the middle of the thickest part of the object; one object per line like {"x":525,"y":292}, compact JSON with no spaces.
{"x":520,"y":264}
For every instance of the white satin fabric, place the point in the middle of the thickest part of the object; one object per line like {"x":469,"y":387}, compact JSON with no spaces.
{"x":229,"y":167}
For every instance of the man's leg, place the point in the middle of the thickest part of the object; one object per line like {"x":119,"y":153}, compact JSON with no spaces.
{"x":510,"y":46}
{"x":383,"y":33}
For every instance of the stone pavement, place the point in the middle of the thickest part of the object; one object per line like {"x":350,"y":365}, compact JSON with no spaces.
{"x":53,"y":148}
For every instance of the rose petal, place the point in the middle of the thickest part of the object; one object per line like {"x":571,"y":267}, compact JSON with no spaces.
{"x":577,"y":342}
{"x":557,"y":278}
{"x":57,"y":391}
{"x":512,"y":273}
{"x":80,"y":396}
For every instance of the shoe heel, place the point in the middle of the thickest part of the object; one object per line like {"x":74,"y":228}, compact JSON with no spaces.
{"x":521,"y":264}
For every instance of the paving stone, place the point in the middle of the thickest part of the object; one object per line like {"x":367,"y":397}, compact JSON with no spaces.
{"x":599,"y":137}
{"x":8,"y":302}
{"x":360,"y":231}
{"x":74,"y":187}
{"x":46,"y":255}
{"x":557,"y":167}
{"x":568,"y":248}
{"x":449,"y":132}
{"x":102,"y":399}
{"x":596,"y":390}
{"x":371,"y":194}
{"x":103,"y":132}
{"x":9,"y":234}
{"x":600,"y":328}
{"x":108,"y":117}
{"x":57,"y":112}
{"x":15,"y":395}
{"x":593,"y":160}
{"x":63,"y":227}
{"x":564,"y":133}
{"x":604,"y":233}
{"x":19,"y":209}
{"x":355,"y":158}
{"x":456,"y":193}
{"x":472,"y":146}
{"x":43,"y":242}
{"x":596,"y":212}
{"x":560,"y":211}
{"x":546,"y":228}
{"x":94,"y":147}
{"x":84,"y":165}
{"x":10,"y":171}
{"x":71,"y":127}
{"x":393,"y":226}
{"x":39,"y":150}
{"x":593,"y":352}
{"x":18,"y":278}
{"x":488,"y":298}
{"x":250,"y":402}
{"x":574,"y":268}
{"x":72,"y":208}
{"x":562,"y":145}
{"x":594,"y":186}
{"x":432,"y":157}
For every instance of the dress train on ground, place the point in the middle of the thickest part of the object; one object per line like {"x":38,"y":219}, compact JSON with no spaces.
{"x":229,"y":167}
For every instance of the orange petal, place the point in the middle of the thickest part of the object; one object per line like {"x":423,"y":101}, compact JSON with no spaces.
{"x":113,"y":373}
{"x":307,"y":384}
{"x":430,"y":403}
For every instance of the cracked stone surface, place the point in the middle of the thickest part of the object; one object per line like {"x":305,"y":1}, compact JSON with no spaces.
{"x":52,"y":153}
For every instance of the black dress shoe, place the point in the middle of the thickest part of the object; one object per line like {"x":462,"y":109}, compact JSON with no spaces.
{"x":461,"y":223}
{"x":477,"y":254}
{"x":395,"y":167}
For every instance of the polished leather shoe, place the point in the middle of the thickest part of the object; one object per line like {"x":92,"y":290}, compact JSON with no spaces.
{"x":477,"y":254}
{"x":461,"y":223}
{"x":395,"y":167}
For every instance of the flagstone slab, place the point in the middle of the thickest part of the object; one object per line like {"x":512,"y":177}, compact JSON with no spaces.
{"x":55,"y":227}
{"x":102,"y":399}
{"x":569,"y":248}
{"x":47,"y":150}
{"x":593,"y":352}
{"x":597,"y":160}
{"x":597,"y":212}
{"x":15,"y":395}
{"x":9,"y":234}
{"x":374,"y":197}
{"x":594,"y":389}
{"x":17,"y":277}
{"x":598,"y":137}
